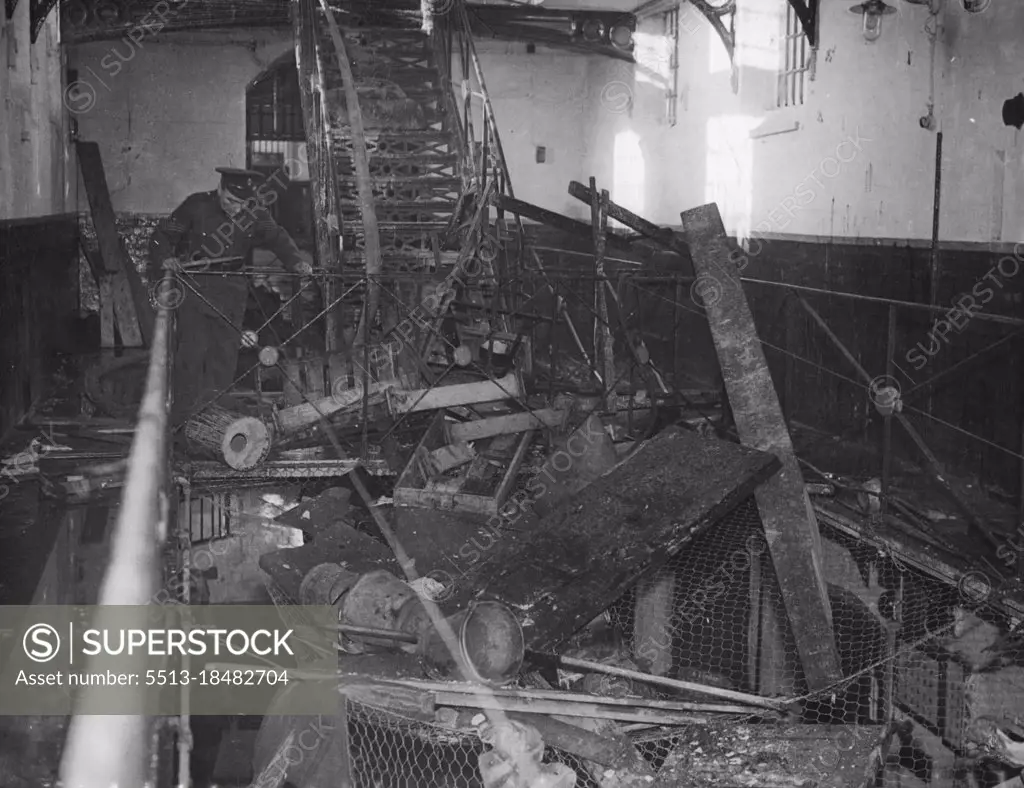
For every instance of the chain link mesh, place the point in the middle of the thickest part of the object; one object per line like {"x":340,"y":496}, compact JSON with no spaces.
{"x":916,"y":654}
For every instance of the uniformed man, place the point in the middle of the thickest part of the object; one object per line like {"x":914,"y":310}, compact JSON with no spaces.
{"x":228,"y":222}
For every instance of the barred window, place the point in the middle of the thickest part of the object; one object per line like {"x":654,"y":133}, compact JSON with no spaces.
{"x":794,"y":61}
{"x":670,"y":21}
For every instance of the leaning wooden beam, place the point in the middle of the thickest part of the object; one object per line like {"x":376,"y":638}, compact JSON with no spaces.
{"x":599,"y":218}
{"x":508,"y":387}
{"x":661,"y":235}
{"x":364,"y":184}
{"x":298,"y":417}
{"x":507,"y":425}
{"x":130,"y":301}
{"x":574,"y":227}
{"x":790,"y":526}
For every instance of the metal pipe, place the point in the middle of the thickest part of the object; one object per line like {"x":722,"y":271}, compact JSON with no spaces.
{"x":1009,"y":321}
{"x":114,"y":750}
{"x":933,"y":255}
{"x":890,"y":364}
{"x":184,"y":719}
{"x":384,"y":634}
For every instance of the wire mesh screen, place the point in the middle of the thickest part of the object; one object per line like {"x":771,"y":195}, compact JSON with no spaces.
{"x":921,"y":661}
{"x":389,"y":751}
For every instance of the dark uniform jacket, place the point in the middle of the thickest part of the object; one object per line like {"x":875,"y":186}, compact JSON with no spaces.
{"x":212,"y":305}
{"x":199,"y":228}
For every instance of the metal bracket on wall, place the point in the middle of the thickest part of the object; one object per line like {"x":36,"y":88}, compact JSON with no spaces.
{"x":38,"y":11}
{"x":807,"y":13}
{"x":722,"y":16}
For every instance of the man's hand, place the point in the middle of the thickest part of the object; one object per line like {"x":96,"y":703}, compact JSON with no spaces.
{"x":171,"y":264}
{"x":305,"y":264}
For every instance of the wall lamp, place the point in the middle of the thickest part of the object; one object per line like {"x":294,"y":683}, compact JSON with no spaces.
{"x":872,"y":11}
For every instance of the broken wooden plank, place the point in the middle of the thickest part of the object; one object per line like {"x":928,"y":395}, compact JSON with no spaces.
{"x":107,"y":320}
{"x":506,"y":425}
{"x":298,"y":417}
{"x":450,"y":457}
{"x":434,"y":398}
{"x":662,"y":235}
{"x":790,"y":526}
{"x":574,"y":227}
{"x":131,"y":301}
{"x":593,"y":547}
{"x":599,"y":218}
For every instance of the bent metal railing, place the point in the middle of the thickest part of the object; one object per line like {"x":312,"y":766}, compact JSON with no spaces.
{"x":105,"y":751}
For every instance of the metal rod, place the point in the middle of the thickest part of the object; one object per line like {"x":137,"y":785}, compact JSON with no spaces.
{"x":931,"y":461}
{"x":689,"y":686}
{"x":933,"y":255}
{"x":114,"y":750}
{"x":890,"y":364}
{"x":974,"y":358}
{"x":936,"y":208}
{"x":364,"y":183}
{"x":1009,"y":321}
{"x":384,"y":634}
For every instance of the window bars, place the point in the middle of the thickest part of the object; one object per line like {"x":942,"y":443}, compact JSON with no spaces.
{"x":794,"y":61}
{"x":671,"y":32}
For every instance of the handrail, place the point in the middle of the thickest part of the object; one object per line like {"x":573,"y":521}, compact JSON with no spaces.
{"x":104,"y":751}
{"x":457,"y":29}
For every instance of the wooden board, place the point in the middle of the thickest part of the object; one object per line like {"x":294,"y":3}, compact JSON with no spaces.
{"x":131,"y":302}
{"x":508,"y":387}
{"x":504,"y":425}
{"x":414,"y":489}
{"x":790,"y":526}
{"x":593,"y":547}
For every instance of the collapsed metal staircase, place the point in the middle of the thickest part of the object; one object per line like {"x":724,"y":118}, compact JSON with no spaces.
{"x":427,"y":171}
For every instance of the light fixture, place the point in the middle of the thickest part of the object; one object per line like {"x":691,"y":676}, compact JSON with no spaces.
{"x":872,"y":11}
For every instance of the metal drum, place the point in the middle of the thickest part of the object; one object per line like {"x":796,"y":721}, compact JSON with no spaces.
{"x":490,"y":644}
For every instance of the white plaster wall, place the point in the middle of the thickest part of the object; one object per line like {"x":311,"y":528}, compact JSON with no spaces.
{"x":32,"y":135}
{"x":539,"y":99}
{"x":797,"y":182}
{"x":169,"y":110}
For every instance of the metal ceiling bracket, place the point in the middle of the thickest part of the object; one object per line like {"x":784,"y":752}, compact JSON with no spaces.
{"x":807,"y":13}
{"x":38,"y":11}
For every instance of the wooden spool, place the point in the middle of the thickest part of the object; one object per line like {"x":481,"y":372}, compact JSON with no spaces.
{"x":243,"y":442}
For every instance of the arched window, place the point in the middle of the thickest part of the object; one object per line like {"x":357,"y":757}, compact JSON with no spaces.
{"x":275,"y":141}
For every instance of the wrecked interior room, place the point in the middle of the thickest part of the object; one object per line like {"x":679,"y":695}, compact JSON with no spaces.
{"x":631,"y":389}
